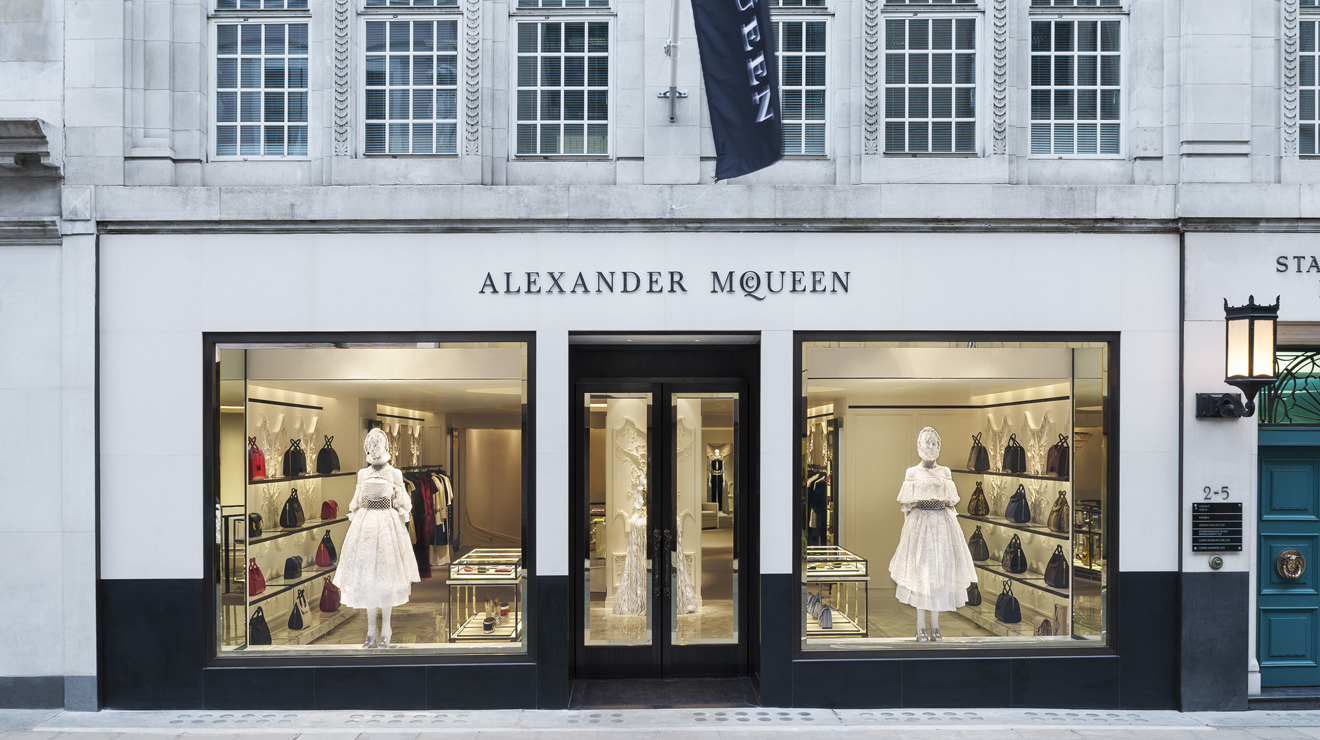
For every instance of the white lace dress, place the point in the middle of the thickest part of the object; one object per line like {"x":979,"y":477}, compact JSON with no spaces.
{"x":932,"y":566}
{"x":630,"y":596}
{"x":687,"y":595}
{"x":376,"y":563}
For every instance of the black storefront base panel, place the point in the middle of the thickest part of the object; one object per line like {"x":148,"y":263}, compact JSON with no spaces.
{"x":1141,"y":673}
{"x":153,"y":657}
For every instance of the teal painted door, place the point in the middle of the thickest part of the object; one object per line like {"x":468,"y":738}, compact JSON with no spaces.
{"x":1288,"y":616}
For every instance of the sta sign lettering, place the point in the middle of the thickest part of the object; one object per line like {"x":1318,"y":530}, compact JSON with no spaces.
{"x":757,"y":285}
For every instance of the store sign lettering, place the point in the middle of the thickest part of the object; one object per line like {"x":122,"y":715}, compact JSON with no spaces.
{"x":753,"y":284}
{"x":1297,"y":263}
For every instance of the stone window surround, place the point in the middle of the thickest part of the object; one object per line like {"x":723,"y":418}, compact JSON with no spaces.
{"x":808,"y":15}
{"x":376,"y":14}
{"x":954,"y":12}
{"x":241,"y":18}
{"x":564,"y":15}
{"x":1120,"y":13}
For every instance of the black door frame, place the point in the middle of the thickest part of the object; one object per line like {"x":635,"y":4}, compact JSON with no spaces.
{"x":662,"y":370}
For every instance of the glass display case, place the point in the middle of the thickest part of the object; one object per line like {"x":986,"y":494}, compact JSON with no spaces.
{"x":838,"y":579}
{"x":485,"y":596}
{"x":1087,"y":539}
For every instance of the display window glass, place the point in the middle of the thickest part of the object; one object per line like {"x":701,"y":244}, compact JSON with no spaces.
{"x":370,"y":497}
{"x":955,"y":494}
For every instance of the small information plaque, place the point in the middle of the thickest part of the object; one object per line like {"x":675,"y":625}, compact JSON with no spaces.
{"x":1217,"y":527}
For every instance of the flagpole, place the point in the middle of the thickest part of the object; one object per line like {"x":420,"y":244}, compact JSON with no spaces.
{"x":671,"y":50}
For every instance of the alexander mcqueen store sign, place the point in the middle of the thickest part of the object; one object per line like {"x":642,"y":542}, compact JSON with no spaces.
{"x":754,"y":284}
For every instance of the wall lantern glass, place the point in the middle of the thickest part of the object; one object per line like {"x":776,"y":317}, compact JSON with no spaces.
{"x":1250,"y":335}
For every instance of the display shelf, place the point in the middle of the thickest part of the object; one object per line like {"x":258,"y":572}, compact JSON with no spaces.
{"x":842,"y":626}
{"x":1030,"y":578}
{"x":1082,"y":570}
{"x":316,"y":625}
{"x":278,"y":533}
{"x":488,"y":566}
{"x":1030,"y":476}
{"x":277,"y":586}
{"x":295,"y":478}
{"x":828,"y":563}
{"x":999,"y":521}
{"x":983,"y":616}
{"x":471,"y":629}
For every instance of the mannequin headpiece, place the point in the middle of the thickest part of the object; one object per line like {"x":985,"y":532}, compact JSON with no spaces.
{"x":928,"y":444}
{"x":376,"y":447}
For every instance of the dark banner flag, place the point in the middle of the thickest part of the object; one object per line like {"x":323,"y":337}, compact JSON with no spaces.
{"x":738,"y":63}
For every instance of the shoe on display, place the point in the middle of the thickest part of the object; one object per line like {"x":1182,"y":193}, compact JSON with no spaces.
{"x":935,"y":636}
{"x":921,"y":635}
{"x":370,"y":642}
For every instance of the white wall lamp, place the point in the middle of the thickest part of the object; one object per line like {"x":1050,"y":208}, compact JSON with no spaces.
{"x":1251,"y":332}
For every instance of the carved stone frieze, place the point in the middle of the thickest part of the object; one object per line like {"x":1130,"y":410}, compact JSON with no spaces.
{"x":341,"y":121}
{"x":999,"y":91}
{"x":472,"y":76}
{"x":1290,"y":78}
{"x":871,"y":77}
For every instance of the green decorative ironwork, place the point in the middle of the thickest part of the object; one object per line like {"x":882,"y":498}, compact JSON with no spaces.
{"x":1295,"y":397}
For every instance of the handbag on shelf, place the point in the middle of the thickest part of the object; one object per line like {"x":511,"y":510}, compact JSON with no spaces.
{"x":329,"y":596}
{"x":1043,"y":627}
{"x":256,"y":461}
{"x":976,"y":544}
{"x":296,"y":617}
{"x":325,"y":552}
{"x":1007,"y":608}
{"x":977,"y":505}
{"x":813,"y":604}
{"x":1018,"y":510}
{"x":973,"y":595}
{"x":292,"y":516}
{"x":254,"y":524}
{"x":1059,"y":515}
{"x":329,"y":510}
{"x":256,"y":581}
{"x":327,"y":460}
{"x":1014,"y":560}
{"x":293,"y":567}
{"x":1015,"y":456}
{"x":978,"y":460}
{"x":1056,"y":571}
{"x":1056,"y":460}
{"x":258,"y":630}
{"x":826,"y":617}
{"x":295,"y":460}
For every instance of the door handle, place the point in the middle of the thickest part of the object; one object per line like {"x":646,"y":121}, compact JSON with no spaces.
{"x":1290,"y":565}
{"x":669,"y":539}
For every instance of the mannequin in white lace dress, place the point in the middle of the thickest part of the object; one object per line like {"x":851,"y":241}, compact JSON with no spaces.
{"x":932,"y":566}
{"x":630,"y":596}
{"x":376,"y":563}
{"x":688,"y":598}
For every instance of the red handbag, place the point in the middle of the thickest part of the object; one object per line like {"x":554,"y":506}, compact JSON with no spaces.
{"x":256,"y":461}
{"x":329,"y":597}
{"x":323,"y":557}
{"x":329,"y":510}
{"x":256,"y":581}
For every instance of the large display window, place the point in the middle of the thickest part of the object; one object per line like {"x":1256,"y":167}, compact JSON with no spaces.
{"x":370,"y":497}
{"x":955,"y":494}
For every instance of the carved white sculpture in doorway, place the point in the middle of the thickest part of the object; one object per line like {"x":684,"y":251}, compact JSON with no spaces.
{"x":994,"y":438}
{"x":687,"y":437}
{"x":630,"y":448}
{"x":415,"y":443}
{"x":1037,"y":442}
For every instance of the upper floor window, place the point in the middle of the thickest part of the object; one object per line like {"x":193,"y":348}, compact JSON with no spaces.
{"x":1076,"y":92}
{"x":930,"y":85}
{"x":261,"y":89}
{"x":563,"y":87}
{"x":412,"y":87}
{"x":570,"y":4}
{"x":797,"y":3}
{"x":412,"y":3}
{"x":1080,"y":3}
{"x":261,"y":4}
{"x":802,"y":84}
{"x":1308,"y":59}
{"x":931,"y":2}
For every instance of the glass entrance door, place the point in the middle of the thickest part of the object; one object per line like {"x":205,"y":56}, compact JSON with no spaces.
{"x":659,"y":489}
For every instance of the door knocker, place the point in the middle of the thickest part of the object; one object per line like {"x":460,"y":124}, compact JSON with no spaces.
{"x":1290,"y":565}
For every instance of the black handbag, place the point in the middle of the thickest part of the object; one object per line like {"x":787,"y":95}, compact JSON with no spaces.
{"x":292,"y":516}
{"x":293,"y":567}
{"x":327,"y":460}
{"x":1014,"y":560}
{"x":1056,"y":571}
{"x":1018,"y":509}
{"x":254,"y":525}
{"x":258,"y":630}
{"x":300,"y":607}
{"x":1056,"y":460}
{"x":979,"y":458}
{"x":977,"y":505}
{"x":1007,"y":608}
{"x":329,"y":544}
{"x":1015,"y":456}
{"x":973,"y":595}
{"x":826,"y":617}
{"x":295,"y":460}
{"x":980,"y":551}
